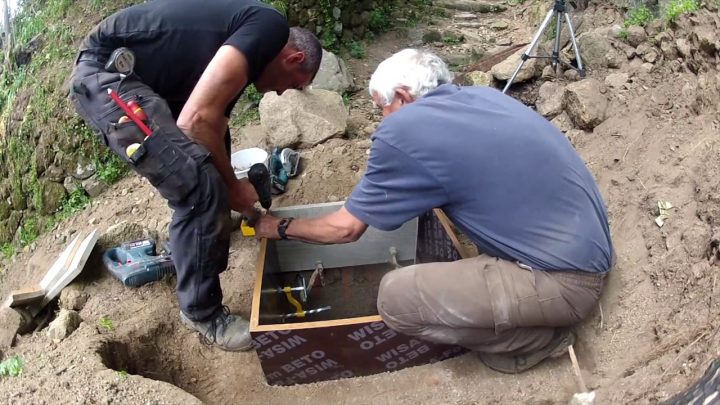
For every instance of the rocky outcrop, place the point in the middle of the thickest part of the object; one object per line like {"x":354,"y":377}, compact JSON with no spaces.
{"x":333,"y":74}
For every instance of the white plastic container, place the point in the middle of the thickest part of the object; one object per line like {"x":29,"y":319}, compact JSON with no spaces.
{"x":242,"y":160}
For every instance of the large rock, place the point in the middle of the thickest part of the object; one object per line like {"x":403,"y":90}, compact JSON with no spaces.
{"x":636,"y":35}
{"x":586,"y":103}
{"x":597,"y":51}
{"x":73,"y":297}
{"x":303,"y":118}
{"x":10,"y":324}
{"x":53,"y":196}
{"x":5,"y":210}
{"x":617,"y":80}
{"x":64,"y":325}
{"x":504,"y":70}
{"x":84,"y":170}
{"x":9,"y":226}
{"x":550,"y":99}
{"x":333,"y":74}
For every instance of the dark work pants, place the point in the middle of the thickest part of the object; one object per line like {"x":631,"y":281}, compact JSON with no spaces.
{"x":180,"y":170}
{"x":486,"y":304}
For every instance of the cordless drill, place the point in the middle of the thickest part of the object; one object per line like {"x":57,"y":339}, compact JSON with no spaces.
{"x":136,"y":263}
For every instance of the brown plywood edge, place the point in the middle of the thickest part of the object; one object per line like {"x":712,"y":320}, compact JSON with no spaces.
{"x":447,"y":225}
{"x":313,"y":325}
{"x":257,"y":290}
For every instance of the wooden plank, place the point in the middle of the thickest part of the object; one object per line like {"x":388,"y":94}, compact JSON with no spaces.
{"x":77,"y":263}
{"x":316,"y":324}
{"x":448,"y":226}
{"x":259,"y":271}
{"x":60,"y":264}
{"x":25,"y":296}
{"x":372,"y":248}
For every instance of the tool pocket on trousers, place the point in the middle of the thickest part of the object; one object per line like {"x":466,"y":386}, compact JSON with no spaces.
{"x":120,"y":136}
{"x":552,"y":304}
{"x":500,"y":299}
{"x":172,"y":171}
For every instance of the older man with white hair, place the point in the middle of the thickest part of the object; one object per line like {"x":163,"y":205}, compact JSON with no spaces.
{"x":510,"y":181}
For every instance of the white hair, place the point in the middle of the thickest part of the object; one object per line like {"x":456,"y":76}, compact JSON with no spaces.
{"x":416,"y":71}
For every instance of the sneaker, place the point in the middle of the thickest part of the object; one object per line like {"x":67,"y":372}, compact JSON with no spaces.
{"x":229,"y":332}
{"x":514,"y":364}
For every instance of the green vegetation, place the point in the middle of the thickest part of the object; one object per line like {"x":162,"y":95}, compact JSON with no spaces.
{"x":75,"y":202}
{"x":346,"y":98}
{"x":122,"y":374}
{"x":8,"y":250}
{"x":28,"y":232}
{"x":380,"y":18}
{"x":106,"y":323}
{"x":357,"y":50}
{"x":111,"y":169}
{"x":12,"y":367}
{"x":452,"y":39}
{"x":676,"y":8}
{"x":639,"y":16}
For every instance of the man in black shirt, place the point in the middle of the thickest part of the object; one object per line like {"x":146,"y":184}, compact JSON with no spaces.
{"x":193,"y":60}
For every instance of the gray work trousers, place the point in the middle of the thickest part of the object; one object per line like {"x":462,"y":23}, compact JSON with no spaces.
{"x":180,"y":170}
{"x":486,"y":304}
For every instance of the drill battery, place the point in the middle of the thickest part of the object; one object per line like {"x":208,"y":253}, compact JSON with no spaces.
{"x":136,"y":263}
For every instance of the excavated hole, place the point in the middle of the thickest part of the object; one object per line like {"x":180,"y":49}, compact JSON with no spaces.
{"x":152,"y":356}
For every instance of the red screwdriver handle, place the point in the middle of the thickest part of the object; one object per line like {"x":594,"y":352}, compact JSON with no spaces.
{"x":129,"y":112}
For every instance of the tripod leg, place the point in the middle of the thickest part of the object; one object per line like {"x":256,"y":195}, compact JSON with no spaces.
{"x":556,"y":50}
{"x":526,"y":55}
{"x":581,"y":70}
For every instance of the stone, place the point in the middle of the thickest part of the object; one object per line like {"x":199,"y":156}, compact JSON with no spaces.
{"x":504,"y":70}
{"x":651,"y":56}
{"x":5,"y":210}
{"x":548,"y":72}
{"x":616,"y":80}
{"x":697,"y":240}
{"x":636,"y":35}
{"x":550,"y":99}
{"x":499,"y":25}
{"x":669,"y":50}
{"x":471,"y":6}
{"x":337,"y":13}
{"x":70,"y":184}
{"x":571,"y":75}
{"x":563,"y":122}
{"x":615,"y":31}
{"x":478,"y":78}
{"x":84,"y":170}
{"x":93,"y":186}
{"x":647,"y":67}
{"x":53,"y":196}
{"x":73,"y":297}
{"x":333,"y":74}
{"x":432,"y":36}
{"x":465,"y":16}
{"x":9,"y":226}
{"x":597,"y":51}
{"x":123,"y":232}
{"x":55,"y":173}
{"x":585,"y":103}
{"x":10,"y":324}
{"x":466,"y":24}
{"x":303,"y":118}
{"x":64,"y":325}
{"x":684,"y":48}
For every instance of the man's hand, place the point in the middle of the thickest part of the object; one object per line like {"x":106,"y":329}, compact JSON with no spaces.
{"x":242,"y":196}
{"x":266,"y":227}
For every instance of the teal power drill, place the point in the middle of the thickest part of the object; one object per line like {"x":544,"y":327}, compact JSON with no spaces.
{"x":136,"y":263}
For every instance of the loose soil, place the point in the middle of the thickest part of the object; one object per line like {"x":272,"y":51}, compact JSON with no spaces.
{"x":655,"y":335}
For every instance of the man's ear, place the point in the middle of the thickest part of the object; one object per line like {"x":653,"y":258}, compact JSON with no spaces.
{"x":404,"y":95}
{"x":295,"y":58}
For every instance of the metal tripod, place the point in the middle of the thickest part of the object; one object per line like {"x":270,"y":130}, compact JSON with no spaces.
{"x":558,"y":11}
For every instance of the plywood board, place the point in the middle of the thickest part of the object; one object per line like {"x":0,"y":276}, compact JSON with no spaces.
{"x":75,"y":266}
{"x":372,"y":248}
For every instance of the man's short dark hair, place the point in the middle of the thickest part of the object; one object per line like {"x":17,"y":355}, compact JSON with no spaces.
{"x":304,"y":41}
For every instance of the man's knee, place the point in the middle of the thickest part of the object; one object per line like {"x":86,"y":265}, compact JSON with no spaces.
{"x":398,"y":303}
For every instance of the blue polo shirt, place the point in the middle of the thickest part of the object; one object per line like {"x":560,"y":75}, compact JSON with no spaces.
{"x":506,"y":177}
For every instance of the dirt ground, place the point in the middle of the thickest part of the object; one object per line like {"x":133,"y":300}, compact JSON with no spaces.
{"x":655,"y":335}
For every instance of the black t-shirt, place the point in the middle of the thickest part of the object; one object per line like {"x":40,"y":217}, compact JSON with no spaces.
{"x":174,"y":40}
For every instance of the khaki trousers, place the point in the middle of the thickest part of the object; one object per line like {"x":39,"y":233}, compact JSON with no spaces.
{"x":486,"y":304}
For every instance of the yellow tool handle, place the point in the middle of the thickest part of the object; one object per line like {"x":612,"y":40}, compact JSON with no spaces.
{"x":298,"y":307}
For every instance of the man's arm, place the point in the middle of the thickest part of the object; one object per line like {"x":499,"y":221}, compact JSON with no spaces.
{"x":338,"y":227}
{"x":203,"y":118}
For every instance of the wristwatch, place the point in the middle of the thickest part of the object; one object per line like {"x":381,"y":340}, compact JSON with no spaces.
{"x":282,"y":227}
